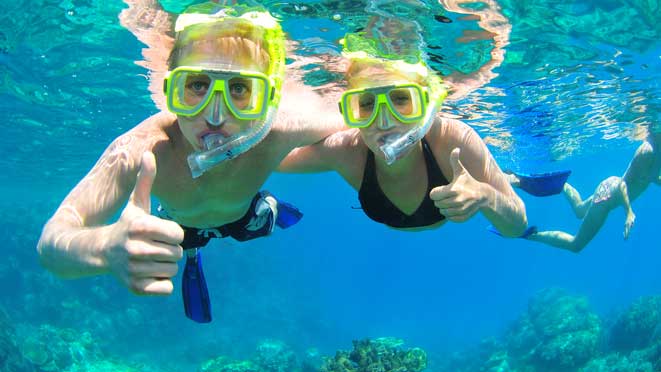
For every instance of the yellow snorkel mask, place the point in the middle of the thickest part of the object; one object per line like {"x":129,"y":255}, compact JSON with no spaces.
{"x":217,"y":90}
{"x":410,"y":103}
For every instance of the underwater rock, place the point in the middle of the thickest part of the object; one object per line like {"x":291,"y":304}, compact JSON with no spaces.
{"x":382,"y":355}
{"x":11,"y":360}
{"x":311,"y":360}
{"x":639,"y":326}
{"x":110,"y":366}
{"x":618,"y":363}
{"x":275,"y":356}
{"x":55,"y":349}
{"x":558,"y":333}
{"x":225,"y":364}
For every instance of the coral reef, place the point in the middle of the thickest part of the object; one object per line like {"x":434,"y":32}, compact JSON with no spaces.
{"x":11,"y":360}
{"x":225,"y":364}
{"x":616,"y":363}
{"x":379,"y":355}
{"x":105,"y":365}
{"x":558,"y":333}
{"x":275,"y":356}
{"x":54,"y":349}
{"x":270,"y":356}
{"x":637,"y":327}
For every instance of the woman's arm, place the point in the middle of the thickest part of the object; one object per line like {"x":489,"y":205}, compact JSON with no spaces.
{"x":478,"y":184}
{"x":626,"y":204}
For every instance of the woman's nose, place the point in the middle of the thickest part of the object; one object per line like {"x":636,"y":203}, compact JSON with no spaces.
{"x":384,"y":119}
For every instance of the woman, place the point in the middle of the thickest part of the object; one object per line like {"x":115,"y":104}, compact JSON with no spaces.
{"x":412,"y":168}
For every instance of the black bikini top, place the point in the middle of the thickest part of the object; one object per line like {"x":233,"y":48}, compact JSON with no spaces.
{"x":379,"y":208}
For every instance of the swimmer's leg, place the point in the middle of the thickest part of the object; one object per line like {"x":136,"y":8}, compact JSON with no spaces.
{"x":579,"y":206}
{"x":593,"y":221}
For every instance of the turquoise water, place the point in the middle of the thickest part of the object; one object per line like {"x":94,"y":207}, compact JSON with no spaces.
{"x":577,"y":80}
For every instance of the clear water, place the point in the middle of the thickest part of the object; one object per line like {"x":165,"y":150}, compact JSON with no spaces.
{"x":578,"y":80}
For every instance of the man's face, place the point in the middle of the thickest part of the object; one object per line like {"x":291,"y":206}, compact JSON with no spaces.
{"x":216,"y":118}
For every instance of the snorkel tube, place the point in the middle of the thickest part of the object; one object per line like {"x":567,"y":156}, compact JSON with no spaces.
{"x":253,"y":23}
{"x":360,"y":49}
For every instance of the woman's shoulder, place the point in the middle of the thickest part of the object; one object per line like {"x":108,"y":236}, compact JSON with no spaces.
{"x":450,"y":133}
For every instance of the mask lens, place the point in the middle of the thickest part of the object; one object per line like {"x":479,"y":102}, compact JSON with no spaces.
{"x":406,"y":103}
{"x":195,"y":90}
{"x":188,"y":92}
{"x":360,"y":108}
{"x":246,"y":96}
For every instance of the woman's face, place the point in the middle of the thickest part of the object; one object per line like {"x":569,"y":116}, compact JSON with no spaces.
{"x":385,"y":127}
{"x":216,"y":118}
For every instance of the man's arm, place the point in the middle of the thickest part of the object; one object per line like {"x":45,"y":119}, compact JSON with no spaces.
{"x":306,"y":116}
{"x":139,"y":249}
{"x":331,"y":153}
{"x":74,"y":240}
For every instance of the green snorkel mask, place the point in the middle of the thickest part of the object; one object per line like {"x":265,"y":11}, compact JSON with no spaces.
{"x":360,"y":107}
{"x":220,"y":81}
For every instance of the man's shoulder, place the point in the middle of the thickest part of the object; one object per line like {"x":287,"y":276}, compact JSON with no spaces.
{"x":157,"y":123}
{"x":143,"y":137}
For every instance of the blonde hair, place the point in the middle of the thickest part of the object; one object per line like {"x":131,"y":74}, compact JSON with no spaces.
{"x":358,"y":66}
{"x":243,"y":43}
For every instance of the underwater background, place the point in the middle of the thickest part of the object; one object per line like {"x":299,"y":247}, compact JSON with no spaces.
{"x":576,"y":83}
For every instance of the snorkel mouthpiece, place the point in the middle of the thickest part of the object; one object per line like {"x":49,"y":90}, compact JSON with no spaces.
{"x":219,"y":148}
{"x":395,"y":149}
{"x":214,"y":140}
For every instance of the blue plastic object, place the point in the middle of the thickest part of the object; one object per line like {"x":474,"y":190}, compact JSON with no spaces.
{"x":543,"y":184}
{"x":194,"y":289}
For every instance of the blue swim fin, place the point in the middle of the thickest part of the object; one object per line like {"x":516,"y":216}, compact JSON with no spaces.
{"x":194,"y":289}
{"x":529,"y":231}
{"x":543,"y":184}
{"x":288,"y":215}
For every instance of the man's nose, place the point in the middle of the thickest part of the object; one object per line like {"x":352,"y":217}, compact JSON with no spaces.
{"x":215,"y":113}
